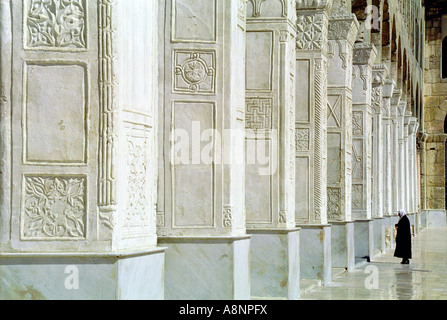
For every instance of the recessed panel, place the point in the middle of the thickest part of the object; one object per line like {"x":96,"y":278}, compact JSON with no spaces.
{"x":259,"y":60}
{"x":55,"y":114}
{"x":193,"y":171}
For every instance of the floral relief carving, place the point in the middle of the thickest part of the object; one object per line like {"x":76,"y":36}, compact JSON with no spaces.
{"x":56,"y":24}
{"x":227,"y":216}
{"x":137,"y":202}
{"x":54,"y":207}
{"x":333,"y":203}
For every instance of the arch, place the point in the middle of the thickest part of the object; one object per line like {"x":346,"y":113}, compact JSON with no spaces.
{"x":444,"y":58}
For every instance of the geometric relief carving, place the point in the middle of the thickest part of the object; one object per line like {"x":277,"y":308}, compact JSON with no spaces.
{"x":357,"y":123}
{"x":334,"y":110}
{"x":194,"y":72}
{"x":333,"y":203}
{"x":310,"y":32}
{"x":54,"y":208}
{"x":258,"y":113}
{"x":357,"y":196}
{"x":56,"y":24}
{"x":302,"y":140}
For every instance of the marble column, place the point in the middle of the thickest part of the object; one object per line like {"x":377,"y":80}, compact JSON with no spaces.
{"x":311,"y":146}
{"x":387,"y":139}
{"x":364,"y":57}
{"x":341,"y":36}
{"x":82,"y":152}
{"x":391,"y":218}
{"x":401,"y":158}
{"x":201,"y":204}
{"x":380,"y":73}
{"x":270,"y":196}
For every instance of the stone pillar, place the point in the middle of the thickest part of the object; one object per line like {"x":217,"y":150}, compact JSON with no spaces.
{"x":364,"y":57}
{"x":407,"y":159}
{"x":394,"y":155}
{"x":342,"y":33}
{"x":270,"y":125}
{"x":387,"y":139}
{"x":311,"y":145}
{"x":201,"y":217}
{"x":380,"y":72}
{"x":83,"y":186}
{"x":401,"y":157}
{"x":413,"y":125}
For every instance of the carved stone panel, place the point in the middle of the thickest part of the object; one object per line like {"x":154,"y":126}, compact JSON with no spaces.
{"x":55,"y":24}
{"x":54,"y":208}
{"x":194,"y":71}
{"x":258,"y":113}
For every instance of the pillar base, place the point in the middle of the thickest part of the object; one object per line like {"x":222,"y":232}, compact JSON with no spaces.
{"x":364,"y":238}
{"x":315,"y":252}
{"x":342,"y":246}
{"x":379,"y":235}
{"x":207,"y":268}
{"x":83,"y":276}
{"x":433,"y":218}
{"x":275,"y":263}
{"x":388,"y":224}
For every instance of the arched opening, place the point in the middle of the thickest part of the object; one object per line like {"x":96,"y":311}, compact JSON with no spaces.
{"x":359,"y":9}
{"x":444,"y":58}
{"x":393,"y":50}
{"x":386,"y":36}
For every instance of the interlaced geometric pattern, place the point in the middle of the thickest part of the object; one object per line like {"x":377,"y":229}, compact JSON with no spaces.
{"x":258,"y":115}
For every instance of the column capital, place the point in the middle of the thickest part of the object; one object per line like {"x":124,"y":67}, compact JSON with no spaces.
{"x":364,"y":54}
{"x":343,"y":27}
{"x":312,"y":31}
{"x":313,"y":5}
{"x":401,"y":107}
{"x":388,"y":88}
{"x":413,"y":125}
{"x":380,"y":72}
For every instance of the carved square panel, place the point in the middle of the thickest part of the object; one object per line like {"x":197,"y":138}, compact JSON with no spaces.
{"x":53,"y":208}
{"x":55,"y":24}
{"x":258,"y":113}
{"x":194,"y":71}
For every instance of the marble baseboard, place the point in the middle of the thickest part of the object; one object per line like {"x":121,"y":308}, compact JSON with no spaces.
{"x":364,"y":238}
{"x":379,"y":235}
{"x":342,"y":246}
{"x":315,"y":252}
{"x":275,"y":264}
{"x":433,"y":218}
{"x":89,"y":277}
{"x":207,"y":268}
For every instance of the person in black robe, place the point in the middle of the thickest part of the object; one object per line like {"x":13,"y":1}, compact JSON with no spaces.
{"x":403,"y":238}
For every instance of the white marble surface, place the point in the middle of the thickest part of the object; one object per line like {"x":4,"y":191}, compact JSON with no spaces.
{"x":207,"y":268}
{"x":99,"y":278}
{"x":315,"y":253}
{"x":342,"y":245}
{"x":364,"y":238}
{"x":275,"y":264}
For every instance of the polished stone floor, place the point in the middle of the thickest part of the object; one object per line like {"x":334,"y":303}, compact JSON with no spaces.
{"x":384,"y":278}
